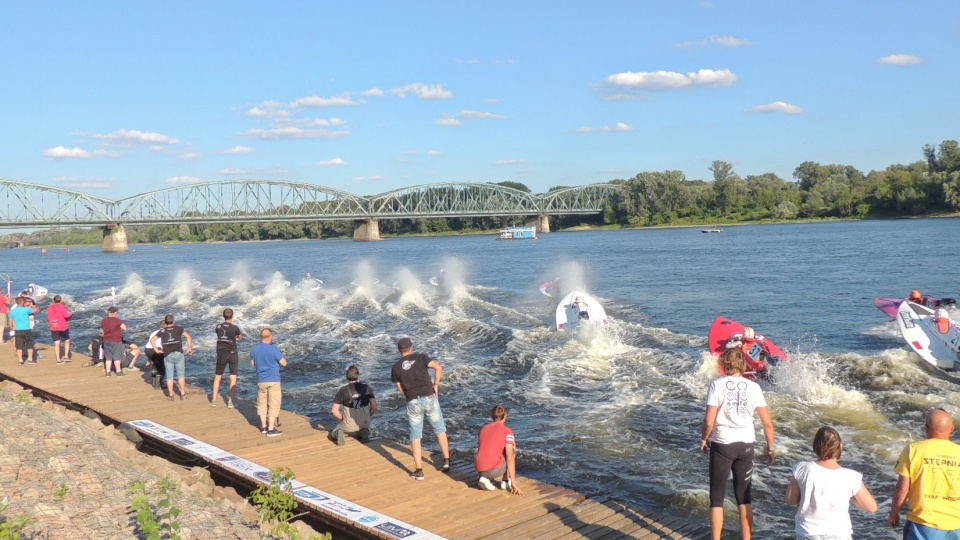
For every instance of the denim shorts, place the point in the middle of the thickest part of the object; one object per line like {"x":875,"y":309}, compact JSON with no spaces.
{"x":419,"y":407}
{"x":915,"y":531}
{"x":175,"y":365}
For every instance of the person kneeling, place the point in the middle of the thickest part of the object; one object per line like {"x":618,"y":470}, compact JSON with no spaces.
{"x":496,"y":454}
{"x":353,"y":406}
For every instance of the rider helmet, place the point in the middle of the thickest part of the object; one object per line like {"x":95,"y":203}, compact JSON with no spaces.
{"x":749,"y":334}
{"x":915,"y":295}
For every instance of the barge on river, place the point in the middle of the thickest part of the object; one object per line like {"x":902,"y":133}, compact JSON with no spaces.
{"x":518,"y":233}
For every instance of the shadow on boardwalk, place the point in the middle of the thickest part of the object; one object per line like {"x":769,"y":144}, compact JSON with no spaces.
{"x":623,"y":522}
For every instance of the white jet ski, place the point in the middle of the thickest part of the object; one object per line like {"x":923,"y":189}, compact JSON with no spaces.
{"x":579,"y":308}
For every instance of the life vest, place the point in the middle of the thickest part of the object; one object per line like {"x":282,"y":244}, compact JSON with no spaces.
{"x":753,"y":353}
{"x":942,"y":319}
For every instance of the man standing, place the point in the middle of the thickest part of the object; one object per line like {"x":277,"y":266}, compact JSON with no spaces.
{"x":59,"y":317}
{"x":930,"y":478}
{"x":23,"y":339}
{"x":412,"y":377}
{"x":228,"y":334}
{"x":4,"y":311}
{"x":267,"y":359}
{"x":113,"y":349}
{"x":353,"y":406}
{"x":496,"y":453}
{"x":170,"y":340}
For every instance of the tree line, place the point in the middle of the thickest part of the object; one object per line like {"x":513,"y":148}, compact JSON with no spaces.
{"x":816,"y":191}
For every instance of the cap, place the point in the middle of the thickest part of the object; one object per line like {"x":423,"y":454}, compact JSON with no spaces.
{"x":113,"y":309}
{"x":404,"y":343}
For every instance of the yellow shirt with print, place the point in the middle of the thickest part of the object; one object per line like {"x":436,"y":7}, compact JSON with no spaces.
{"x":933,"y":467}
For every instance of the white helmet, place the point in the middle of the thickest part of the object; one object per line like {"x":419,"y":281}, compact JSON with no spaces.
{"x":749,"y":334}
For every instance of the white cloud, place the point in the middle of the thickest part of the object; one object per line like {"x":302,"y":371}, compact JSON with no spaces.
{"x":271,"y":109}
{"x":239,"y":150}
{"x":510,"y":162}
{"x":423,"y":91}
{"x":434,"y":153}
{"x":671,"y":80}
{"x":447,"y":121}
{"x":61,"y":152}
{"x":335,"y":162}
{"x":624,"y":97}
{"x":481,"y":115}
{"x":317,"y":102}
{"x":309,"y":122}
{"x":618,"y":127}
{"x":184,"y":180}
{"x":723,"y":41}
{"x":778,"y":107}
{"x":494,"y":101}
{"x":374,"y":92}
{"x":292,"y":133}
{"x":373,"y":178}
{"x":192,"y":155}
{"x":133,"y":136}
{"x":900,"y":59}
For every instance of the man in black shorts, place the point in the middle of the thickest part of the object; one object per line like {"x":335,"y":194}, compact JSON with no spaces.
{"x":228,"y":334}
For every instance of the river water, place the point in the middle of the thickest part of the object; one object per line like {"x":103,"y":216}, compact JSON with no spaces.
{"x":609,"y":413}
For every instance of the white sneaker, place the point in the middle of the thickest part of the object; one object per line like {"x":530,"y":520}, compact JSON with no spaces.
{"x":506,"y":485}
{"x":486,"y":484}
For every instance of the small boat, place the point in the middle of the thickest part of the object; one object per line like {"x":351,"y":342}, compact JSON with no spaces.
{"x":518,"y":233}
{"x":713,"y":229}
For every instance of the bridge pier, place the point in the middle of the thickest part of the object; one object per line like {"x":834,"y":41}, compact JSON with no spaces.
{"x":542,"y":223}
{"x":368,"y":230}
{"x":115,"y":238}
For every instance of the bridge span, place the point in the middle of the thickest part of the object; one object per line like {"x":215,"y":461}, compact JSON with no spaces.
{"x":26,"y":205}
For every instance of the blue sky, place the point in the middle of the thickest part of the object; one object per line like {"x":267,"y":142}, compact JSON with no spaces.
{"x":120,"y":98}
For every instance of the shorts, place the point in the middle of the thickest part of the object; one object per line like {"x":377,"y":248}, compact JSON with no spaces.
{"x":355,"y":419}
{"x":915,"y":531}
{"x":269,"y":399}
{"x":175,"y":365}
{"x":60,"y":335}
{"x":227,"y":358}
{"x":736,"y":457}
{"x":419,"y":407}
{"x":114,"y":351}
{"x":24,"y":340}
{"x":497,"y":472}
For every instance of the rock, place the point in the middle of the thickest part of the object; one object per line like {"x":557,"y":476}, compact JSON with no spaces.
{"x":12,"y":387}
{"x":305,"y":530}
{"x":195,"y":475}
{"x":228,"y":494}
{"x":53,"y":407}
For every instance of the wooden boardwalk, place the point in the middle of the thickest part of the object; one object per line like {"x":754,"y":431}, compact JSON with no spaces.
{"x":373,"y":475}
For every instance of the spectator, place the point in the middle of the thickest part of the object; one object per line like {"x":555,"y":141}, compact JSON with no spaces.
{"x":169,"y":339}
{"x":728,"y":433}
{"x":4,"y":311}
{"x":228,"y":334}
{"x":59,"y":317}
{"x":928,"y":477}
{"x":155,"y":358}
{"x":96,"y":350}
{"x":412,"y":377}
{"x":824,"y":490}
{"x":496,"y":454}
{"x":267,"y":359}
{"x":113,"y":348}
{"x":23,"y":338}
{"x":354,"y":405}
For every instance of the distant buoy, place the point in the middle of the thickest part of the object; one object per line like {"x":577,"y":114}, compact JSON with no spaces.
{"x":166,"y":246}
{"x":44,"y":250}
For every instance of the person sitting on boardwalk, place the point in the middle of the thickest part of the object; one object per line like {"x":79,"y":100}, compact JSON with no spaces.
{"x":267,"y":359}
{"x":228,"y":334}
{"x":170,"y":341}
{"x":729,"y":435}
{"x":824,"y":491}
{"x":353,"y":406}
{"x":496,"y":454}
{"x":412,"y":377}
{"x":928,"y":477}
{"x":59,"y":317}
{"x":23,"y":339}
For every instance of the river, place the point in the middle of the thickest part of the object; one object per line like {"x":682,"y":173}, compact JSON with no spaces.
{"x":613,"y":413}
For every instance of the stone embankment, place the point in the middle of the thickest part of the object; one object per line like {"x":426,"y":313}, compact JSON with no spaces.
{"x":71,"y":475}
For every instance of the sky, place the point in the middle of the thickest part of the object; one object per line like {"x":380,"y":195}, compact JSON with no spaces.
{"x":120,"y":98}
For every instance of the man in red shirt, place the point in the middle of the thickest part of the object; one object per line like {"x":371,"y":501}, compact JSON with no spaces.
{"x":59,"y":317}
{"x":113,"y":349}
{"x":496,"y":453}
{"x":4,"y":311}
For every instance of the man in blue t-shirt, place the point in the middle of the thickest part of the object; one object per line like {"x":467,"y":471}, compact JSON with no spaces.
{"x":267,"y":359}
{"x":23,"y":339}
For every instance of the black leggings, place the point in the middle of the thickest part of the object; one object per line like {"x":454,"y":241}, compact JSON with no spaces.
{"x":737,"y":456}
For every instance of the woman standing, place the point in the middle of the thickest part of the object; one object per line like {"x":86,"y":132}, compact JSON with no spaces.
{"x":824,"y":490}
{"x":729,"y":434}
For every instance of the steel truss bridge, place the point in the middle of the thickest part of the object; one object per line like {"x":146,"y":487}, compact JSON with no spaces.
{"x":26,"y":205}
